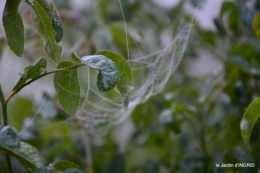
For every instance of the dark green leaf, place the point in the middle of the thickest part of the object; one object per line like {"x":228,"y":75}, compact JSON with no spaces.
{"x":43,"y":24}
{"x":65,"y":165}
{"x":67,"y":87}
{"x":13,"y":26}
{"x":256,"y":25}
{"x":75,"y":57}
{"x":108,"y":75}
{"x":125,"y":79}
{"x":28,"y":155}
{"x":31,"y":72}
{"x":57,"y":26}
{"x":9,"y":137}
{"x":249,"y":119}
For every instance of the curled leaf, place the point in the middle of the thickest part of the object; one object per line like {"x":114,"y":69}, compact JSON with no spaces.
{"x":108,"y":74}
{"x":125,"y":79}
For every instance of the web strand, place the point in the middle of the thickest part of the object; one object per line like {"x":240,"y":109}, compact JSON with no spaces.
{"x":100,"y":111}
{"x":37,"y":112}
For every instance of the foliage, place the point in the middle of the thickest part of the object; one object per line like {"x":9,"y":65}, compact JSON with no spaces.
{"x":193,"y":125}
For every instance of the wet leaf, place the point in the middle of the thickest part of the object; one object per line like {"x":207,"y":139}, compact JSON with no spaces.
{"x":125,"y":79}
{"x":28,"y":155}
{"x":57,"y":26}
{"x":9,"y":137}
{"x":108,"y":74}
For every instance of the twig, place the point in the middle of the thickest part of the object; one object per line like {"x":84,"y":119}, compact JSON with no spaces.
{"x":38,"y":77}
{"x":4,"y":111}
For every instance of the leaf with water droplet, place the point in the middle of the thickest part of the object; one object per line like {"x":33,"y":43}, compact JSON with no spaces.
{"x":108,"y":74}
{"x":125,"y":79}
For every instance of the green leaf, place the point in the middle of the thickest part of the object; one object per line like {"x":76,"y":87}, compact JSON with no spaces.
{"x":75,"y":57}
{"x":28,"y":155}
{"x":249,"y":119}
{"x":57,"y":26}
{"x":31,"y":72}
{"x":256,"y":25}
{"x":49,"y":8}
{"x":43,"y":24}
{"x":9,"y":137}
{"x":13,"y":26}
{"x":67,"y":87}
{"x":125,"y":79}
{"x":108,"y":74}
{"x":67,"y":167}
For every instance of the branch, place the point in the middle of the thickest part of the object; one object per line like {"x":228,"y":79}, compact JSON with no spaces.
{"x":4,"y":109}
{"x":38,"y":77}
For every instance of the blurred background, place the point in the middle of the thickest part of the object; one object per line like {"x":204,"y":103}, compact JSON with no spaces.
{"x":191,"y":126}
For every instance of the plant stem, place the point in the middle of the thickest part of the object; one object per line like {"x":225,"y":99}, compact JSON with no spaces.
{"x":38,"y":77}
{"x":4,"y":111}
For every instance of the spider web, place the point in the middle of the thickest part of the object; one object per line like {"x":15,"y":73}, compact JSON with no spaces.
{"x":101,"y":111}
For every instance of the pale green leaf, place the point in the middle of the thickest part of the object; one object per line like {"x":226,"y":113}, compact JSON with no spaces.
{"x":75,"y":57}
{"x":9,"y":137}
{"x":13,"y":26}
{"x":125,"y":79}
{"x":249,"y":119}
{"x":31,"y":72}
{"x":108,"y":74}
{"x":28,"y":155}
{"x":67,"y":87}
{"x":43,"y":24}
